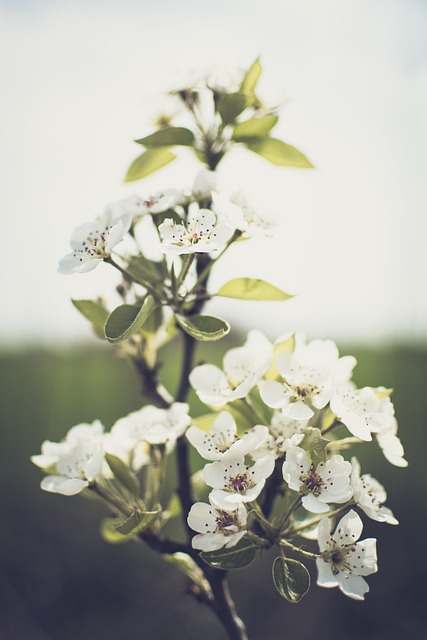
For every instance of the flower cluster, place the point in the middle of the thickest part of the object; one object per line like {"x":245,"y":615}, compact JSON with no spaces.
{"x":79,"y":460}
{"x":185,"y":224}
{"x":298,"y":392}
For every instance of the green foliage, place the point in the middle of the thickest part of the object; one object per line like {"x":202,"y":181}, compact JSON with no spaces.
{"x":230,"y":106}
{"x":279,"y":153}
{"x":251,"y":77}
{"x":149,"y":162}
{"x":291,"y":579}
{"x":109,"y":532}
{"x":137,"y":522}
{"x":203,"y":328}
{"x":315,"y":445}
{"x":168,"y":137}
{"x":254,"y":128}
{"x":95,"y":312}
{"x":127,"y":319}
{"x":123,"y":474}
{"x":144,"y":270}
{"x":237,"y":557}
{"x":252,"y":289}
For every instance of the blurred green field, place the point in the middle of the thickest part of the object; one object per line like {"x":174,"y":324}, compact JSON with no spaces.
{"x":60,"y":581}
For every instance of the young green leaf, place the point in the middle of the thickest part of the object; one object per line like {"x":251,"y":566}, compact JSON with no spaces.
{"x":230,"y":106}
{"x":127,"y":319}
{"x":279,"y":153}
{"x":168,"y":137}
{"x":109,"y":532}
{"x":95,"y":312}
{"x":203,"y":328}
{"x":123,"y":473}
{"x":137,"y":522}
{"x":252,"y":289}
{"x":148,"y":162}
{"x":143,"y":269}
{"x":251,"y":77}
{"x":254,"y":128}
{"x":237,"y":557}
{"x":315,"y":445}
{"x":291,"y":579}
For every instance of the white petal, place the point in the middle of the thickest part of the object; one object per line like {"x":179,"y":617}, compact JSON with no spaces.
{"x":62,"y":485}
{"x":348,"y":529}
{"x":209,"y":541}
{"x":313,"y":504}
{"x":325,"y":576}
{"x":353,"y":586}
{"x":274,"y":394}
{"x":202,"y":518}
{"x":324,"y":534}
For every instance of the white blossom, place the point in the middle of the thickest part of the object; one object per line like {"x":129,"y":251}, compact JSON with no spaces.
{"x":344,"y":561}
{"x":205,"y":183}
{"x":391,"y":445}
{"x":310,"y":373}
{"x":138,"y":206}
{"x":77,"y":461}
{"x":284,"y":433}
{"x":369,"y":495}
{"x":223,"y":438}
{"x":234,"y":482}
{"x":243,"y":368}
{"x":92,"y":242}
{"x":237,"y":213}
{"x":156,"y":426}
{"x":201,"y":234}
{"x":216,"y":527}
{"x":364,"y":411}
{"x":328,"y":482}
{"x":121,"y":442}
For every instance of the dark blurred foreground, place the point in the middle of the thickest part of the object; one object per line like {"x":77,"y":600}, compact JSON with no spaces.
{"x":60,"y":581}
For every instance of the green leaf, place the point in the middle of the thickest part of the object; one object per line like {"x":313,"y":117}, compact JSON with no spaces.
{"x":148,"y":162}
{"x":315,"y":445}
{"x":95,"y":312}
{"x":127,"y":319}
{"x":237,"y":557}
{"x":123,"y":473}
{"x":168,"y":137}
{"x":142,"y":269}
{"x":254,"y":128}
{"x":252,"y":289}
{"x":291,"y":579}
{"x":109,"y":532}
{"x":137,"y":522}
{"x":203,"y":327}
{"x":231,"y":105}
{"x":251,"y":77}
{"x":279,"y":153}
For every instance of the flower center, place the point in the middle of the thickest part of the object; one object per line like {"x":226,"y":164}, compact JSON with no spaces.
{"x":240,"y":482}
{"x":226,"y":520}
{"x":314,"y":482}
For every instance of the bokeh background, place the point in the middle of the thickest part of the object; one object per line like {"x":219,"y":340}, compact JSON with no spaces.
{"x":80,"y":81}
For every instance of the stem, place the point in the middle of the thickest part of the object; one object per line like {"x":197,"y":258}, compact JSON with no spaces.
{"x":306,"y":554}
{"x":311,"y":523}
{"x":203,"y":274}
{"x":294,"y":506}
{"x":336,"y":423}
{"x":224,"y":607}
{"x":183,"y":461}
{"x":188,"y":261}
{"x":130,"y":277}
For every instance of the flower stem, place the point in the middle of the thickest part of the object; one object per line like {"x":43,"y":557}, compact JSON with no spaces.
{"x":306,"y":554}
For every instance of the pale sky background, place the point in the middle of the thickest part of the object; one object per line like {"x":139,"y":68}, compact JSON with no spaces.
{"x":80,"y":80}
